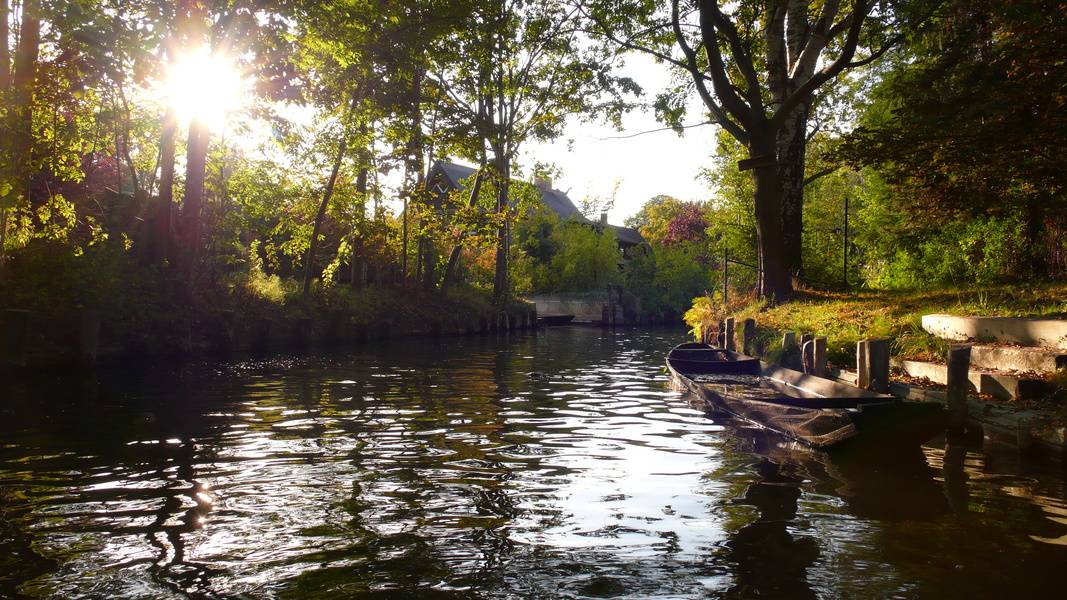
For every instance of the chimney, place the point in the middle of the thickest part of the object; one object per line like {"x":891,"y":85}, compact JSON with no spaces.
{"x":603,"y":218}
{"x":542,"y":183}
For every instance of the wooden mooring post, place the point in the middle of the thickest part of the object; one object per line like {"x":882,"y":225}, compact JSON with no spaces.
{"x":872,"y":364}
{"x":820,"y":357}
{"x":959,"y":365}
{"x":731,"y":344}
{"x":814,"y":354}
{"x":748,"y":337}
{"x":791,"y":352}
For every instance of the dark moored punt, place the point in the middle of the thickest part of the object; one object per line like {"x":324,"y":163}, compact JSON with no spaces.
{"x":810,"y":409}
{"x":549,"y":320}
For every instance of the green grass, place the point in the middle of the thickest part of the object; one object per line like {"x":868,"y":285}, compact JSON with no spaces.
{"x":845,"y":318}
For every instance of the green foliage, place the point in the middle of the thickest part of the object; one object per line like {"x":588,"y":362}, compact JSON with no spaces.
{"x":563,"y":256}
{"x":969,"y":128}
{"x":258,"y":283}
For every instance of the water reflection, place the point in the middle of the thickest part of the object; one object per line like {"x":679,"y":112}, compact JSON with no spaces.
{"x":442,"y":469}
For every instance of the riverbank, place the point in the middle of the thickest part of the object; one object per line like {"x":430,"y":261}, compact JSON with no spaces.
{"x":171,"y":320}
{"x":845,"y":318}
{"x":1020,"y":404}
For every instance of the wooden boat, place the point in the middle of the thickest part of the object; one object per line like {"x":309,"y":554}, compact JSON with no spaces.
{"x":813,"y":410}
{"x":549,"y":320}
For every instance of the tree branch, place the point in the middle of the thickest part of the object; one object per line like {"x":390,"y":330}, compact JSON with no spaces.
{"x":700,"y":81}
{"x":818,"y":175}
{"x":717,"y":69}
{"x":860,"y":8}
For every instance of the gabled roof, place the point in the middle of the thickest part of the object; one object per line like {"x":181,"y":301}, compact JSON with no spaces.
{"x":558,"y":201}
{"x":627,"y":235}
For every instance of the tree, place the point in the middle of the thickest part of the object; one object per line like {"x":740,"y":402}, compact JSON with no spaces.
{"x":513,"y":73}
{"x":969,"y":128}
{"x":756,"y":68}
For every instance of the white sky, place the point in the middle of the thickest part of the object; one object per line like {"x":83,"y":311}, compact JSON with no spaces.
{"x":644,"y":166}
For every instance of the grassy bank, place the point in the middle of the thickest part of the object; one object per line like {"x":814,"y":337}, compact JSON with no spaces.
{"x":845,"y":318}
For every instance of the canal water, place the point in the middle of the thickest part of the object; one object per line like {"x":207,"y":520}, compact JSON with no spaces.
{"x":549,"y":465}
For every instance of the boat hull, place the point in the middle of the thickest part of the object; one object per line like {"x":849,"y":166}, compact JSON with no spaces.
{"x":812,"y":410}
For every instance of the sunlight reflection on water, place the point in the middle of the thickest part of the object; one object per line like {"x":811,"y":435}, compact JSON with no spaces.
{"x":444,"y":468}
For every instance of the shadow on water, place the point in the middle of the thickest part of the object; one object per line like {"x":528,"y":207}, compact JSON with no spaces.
{"x":445,"y":469}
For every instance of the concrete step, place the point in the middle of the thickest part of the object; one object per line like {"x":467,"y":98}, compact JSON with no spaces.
{"x":1050,"y":333}
{"x":1017,"y":358}
{"x":1006,"y":386}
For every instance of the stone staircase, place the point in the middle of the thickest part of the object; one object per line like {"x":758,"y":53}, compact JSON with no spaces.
{"x":1006,"y":372}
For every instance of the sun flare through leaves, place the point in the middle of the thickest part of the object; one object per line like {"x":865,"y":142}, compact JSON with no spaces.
{"x":206,"y":86}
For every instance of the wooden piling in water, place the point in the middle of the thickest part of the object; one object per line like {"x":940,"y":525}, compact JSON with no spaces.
{"x":748,"y":337}
{"x":791,"y":352}
{"x":959,"y":365}
{"x":789,"y":341}
{"x":731,"y":343}
{"x":872,"y":364}
{"x":820,"y":357}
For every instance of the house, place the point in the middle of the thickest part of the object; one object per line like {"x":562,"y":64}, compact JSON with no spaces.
{"x":446,"y":177}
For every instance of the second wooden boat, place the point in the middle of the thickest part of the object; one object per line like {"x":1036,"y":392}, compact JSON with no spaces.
{"x":813,"y":410}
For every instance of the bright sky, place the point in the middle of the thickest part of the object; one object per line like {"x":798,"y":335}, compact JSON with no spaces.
{"x":644,"y":166}
{"x":593,"y":157}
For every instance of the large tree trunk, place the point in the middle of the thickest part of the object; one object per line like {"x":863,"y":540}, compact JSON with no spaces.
{"x":23,"y":81}
{"x":5,"y":80}
{"x":792,"y":145}
{"x":193,"y":201}
{"x":1035,"y":225}
{"x":774,"y":281}
{"x":5,"y":40}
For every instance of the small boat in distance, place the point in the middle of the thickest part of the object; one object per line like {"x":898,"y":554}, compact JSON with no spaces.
{"x":550,"y":320}
{"x":810,"y":409}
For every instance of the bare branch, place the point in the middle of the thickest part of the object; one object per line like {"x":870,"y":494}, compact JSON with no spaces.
{"x":639,"y":133}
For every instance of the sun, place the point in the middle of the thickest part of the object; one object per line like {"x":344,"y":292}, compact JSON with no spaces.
{"x":205,"y":86}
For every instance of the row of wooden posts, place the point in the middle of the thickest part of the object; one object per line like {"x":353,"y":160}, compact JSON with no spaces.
{"x":808,"y":354}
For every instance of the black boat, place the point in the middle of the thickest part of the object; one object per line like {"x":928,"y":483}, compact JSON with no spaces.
{"x":554,"y":320}
{"x":810,"y":409}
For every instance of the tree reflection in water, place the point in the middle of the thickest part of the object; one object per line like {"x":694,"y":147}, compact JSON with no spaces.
{"x":770,"y":561}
